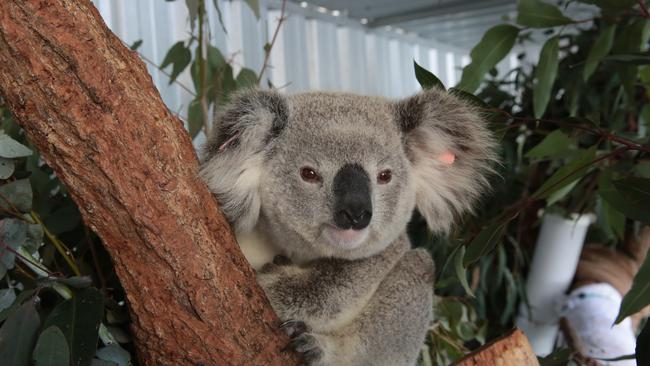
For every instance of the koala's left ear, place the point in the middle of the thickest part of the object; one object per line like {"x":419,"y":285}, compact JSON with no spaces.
{"x":452,"y":153}
{"x":234,"y":155}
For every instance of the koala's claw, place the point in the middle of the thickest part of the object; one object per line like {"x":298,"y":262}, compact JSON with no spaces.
{"x":309,"y":346}
{"x":281,"y":260}
{"x":294,"y":328}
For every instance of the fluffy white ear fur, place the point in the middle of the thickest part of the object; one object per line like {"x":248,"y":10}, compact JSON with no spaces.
{"x":452,"y":153}
{"x":235,"y":153}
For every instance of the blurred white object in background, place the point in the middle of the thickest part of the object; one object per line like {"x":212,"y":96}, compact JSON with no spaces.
{"x":591,"y":311}
{"x":554,"y":263}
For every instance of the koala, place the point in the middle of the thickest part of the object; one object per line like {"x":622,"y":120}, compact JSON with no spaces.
{"x":320,"y":187}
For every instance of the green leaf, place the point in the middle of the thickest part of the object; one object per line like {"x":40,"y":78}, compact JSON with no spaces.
{"x":136,"y":45}
{"x":219,"y":15}
{"x":484,"y":243}
{"x":246,"y":78}
{"x":16,"y":195}
{"x":193,"y":10}
{"x":255,"y":7}
{"x":611,"y":4}
{"x":559,"y":357}
{"x":10,"y":148}
{"x":493,"y":47}
{"x":568,"y":173}
{"x":26,"y":294}
{"x":461,"y":272}
{"x":426,"y":78}
{"x":195,"y":118}
{"x":630,"y":40}
{"x":630,"y":58}
{"x":18,"y":334}
{"x":643,"y":346}
{"x":179,"y":57}
{"x":215,"y":58}
{"x":7,"y":298}
{"x":51,"y":348}
{"x":34,"y":237}
{"x":13,"y":234}
{"x":79,"y":319}
{"x":74,"y":281}
{"x":614,"y":219}
{"x":555,"y":144}
{"x":622,"y":203}
{"x":539,"y":14}
{"x":545,"y":75}
{"x":7,"y":168}
{"x":115,"y":354}
{"x":561,"y":193}
{"x":639,"y":295}
{"x":600,"y":49}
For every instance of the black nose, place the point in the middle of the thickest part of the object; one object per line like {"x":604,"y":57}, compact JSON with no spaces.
{"x":352,"y":204}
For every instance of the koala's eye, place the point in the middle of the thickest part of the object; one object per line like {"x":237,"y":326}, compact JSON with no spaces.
{"x":384,"y":176}
{"x":309,"y":175}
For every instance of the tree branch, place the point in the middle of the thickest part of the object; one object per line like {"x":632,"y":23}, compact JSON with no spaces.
{"x":89,"y":106}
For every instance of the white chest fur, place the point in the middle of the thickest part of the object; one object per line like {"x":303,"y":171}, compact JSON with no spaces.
{"x":256,"y":249}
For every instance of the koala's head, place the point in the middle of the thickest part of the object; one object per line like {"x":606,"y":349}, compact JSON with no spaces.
{"x":338,"y":175}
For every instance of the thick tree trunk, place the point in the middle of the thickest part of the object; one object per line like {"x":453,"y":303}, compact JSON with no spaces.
{"x":89,"y":105}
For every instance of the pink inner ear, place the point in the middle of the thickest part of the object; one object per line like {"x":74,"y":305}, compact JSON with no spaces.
{"x":224,"y":146}
{"x":446,"y":157}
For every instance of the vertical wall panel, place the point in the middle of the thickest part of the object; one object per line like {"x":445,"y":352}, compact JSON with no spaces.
{"x":313,"y":50}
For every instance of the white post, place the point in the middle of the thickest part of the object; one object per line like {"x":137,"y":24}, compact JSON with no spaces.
{"x":554,"y":263}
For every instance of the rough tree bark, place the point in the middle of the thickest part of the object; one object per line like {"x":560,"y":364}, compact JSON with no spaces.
{"x":89,"y":105}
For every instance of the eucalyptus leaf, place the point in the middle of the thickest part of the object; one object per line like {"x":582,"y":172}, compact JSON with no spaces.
{"x":7,"y":168}
{"x":24,"y":295}
{"x":16,"y":195}
{"x":426,"y":78}
{"x":179,"y":57}
{"x":34,"y":237}
{"x":79,"y":319}
{"x":539,"y":14}
{"x":13,"y":234}
{"x":493,"y":47}
{"x":255,"y":7}
{"x":193,"y":10}
{"x":559,"y":357}
{"x":7,"y":298}
{"x":545,"y":74}
{"x":484,"y":242}
{"x":51,"y":348}
{"x":630,"y":39}
{"x":568,"y":173}
{"x":135,"y":45}
{"x":18,"y":334}
{"x":630,"y":58}
{"x":10,"y":148}
{"x":643,"y":346}
{"x":461,"y":272}
{"x":639,"y":295}
{"x":195,"y":119}
{"x":246,"y":78}
{"x":555,"y":144}
{"x":622,"y":203}
{"x":602,"y":46}
{"x":115,"y":354}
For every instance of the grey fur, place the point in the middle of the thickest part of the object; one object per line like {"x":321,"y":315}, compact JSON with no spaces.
{"x":366,"y":300}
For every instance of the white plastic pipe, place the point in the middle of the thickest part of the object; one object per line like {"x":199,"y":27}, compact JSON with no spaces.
{"x":554,"y":264}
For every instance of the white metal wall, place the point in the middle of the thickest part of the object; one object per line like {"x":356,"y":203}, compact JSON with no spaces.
{"x":315,"y":49}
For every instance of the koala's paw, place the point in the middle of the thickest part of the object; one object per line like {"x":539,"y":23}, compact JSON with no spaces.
{"x":310,"y":345}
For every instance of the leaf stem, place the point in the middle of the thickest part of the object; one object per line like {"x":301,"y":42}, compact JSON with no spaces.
{"x":269,"y":47}
{"x":58,"y":244}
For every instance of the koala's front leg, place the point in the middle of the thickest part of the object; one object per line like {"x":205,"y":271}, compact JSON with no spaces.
{"x":325,"y":294}
{"x":391,"y":328}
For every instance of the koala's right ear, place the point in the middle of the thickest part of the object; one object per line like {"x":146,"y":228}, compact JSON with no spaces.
{"x":234,"y":154}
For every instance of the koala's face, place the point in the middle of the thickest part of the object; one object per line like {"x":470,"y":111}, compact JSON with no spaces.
{"x":337,"y":182}
{"x":338,"y":175}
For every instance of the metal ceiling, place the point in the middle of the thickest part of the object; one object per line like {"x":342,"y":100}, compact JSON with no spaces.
{"x":457,"y":22}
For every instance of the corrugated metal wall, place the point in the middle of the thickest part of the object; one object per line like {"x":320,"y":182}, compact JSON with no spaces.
{"x":314,"y":50}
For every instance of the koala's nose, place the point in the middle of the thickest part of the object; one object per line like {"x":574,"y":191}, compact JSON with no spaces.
{"x":352,"y":203}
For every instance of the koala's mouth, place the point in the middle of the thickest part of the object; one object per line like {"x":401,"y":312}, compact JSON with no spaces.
{"x":347,"y":239}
